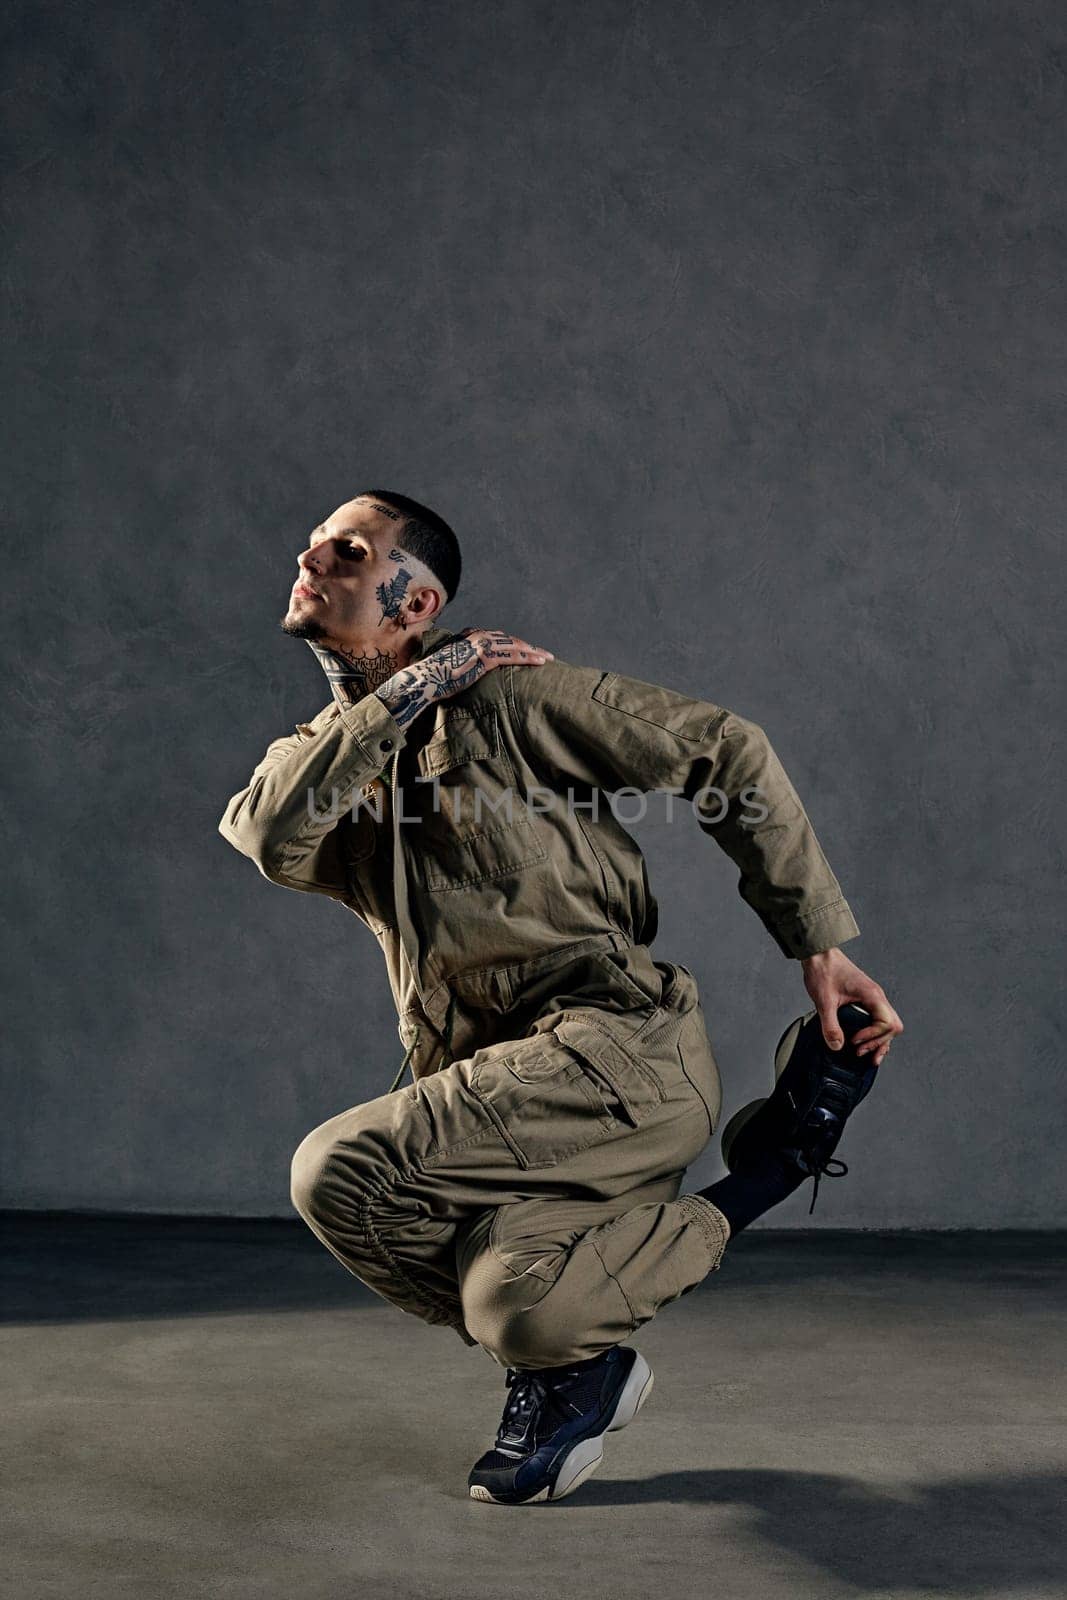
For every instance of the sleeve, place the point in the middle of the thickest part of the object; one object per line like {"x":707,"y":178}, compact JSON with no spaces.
{"x":613,"y":732}
{"x":285,"y":819}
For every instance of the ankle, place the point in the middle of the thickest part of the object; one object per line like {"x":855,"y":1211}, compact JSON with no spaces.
{"x":744,"y":1196}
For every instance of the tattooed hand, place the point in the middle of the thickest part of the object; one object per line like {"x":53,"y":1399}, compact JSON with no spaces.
{"x":465,"y":658}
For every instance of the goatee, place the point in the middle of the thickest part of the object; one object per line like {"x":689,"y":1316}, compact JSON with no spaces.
{"x":307,"y":628}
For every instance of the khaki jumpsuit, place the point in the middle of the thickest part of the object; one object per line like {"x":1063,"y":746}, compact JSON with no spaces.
{"x":524,"y":1188}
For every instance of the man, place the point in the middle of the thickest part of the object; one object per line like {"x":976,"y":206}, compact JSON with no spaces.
{"x":524,"y":1188}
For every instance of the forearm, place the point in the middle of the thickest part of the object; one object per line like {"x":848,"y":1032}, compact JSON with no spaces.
{"x":285,"y":817}
{"x":784,"y":875}
{"x":404,"y":692}
{"x":408,"y":692}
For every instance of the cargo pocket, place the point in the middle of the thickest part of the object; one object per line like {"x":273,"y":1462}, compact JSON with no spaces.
{"x":540,"y":1099}
{"x":627,"y":1086}
{"x":527,"y":1265}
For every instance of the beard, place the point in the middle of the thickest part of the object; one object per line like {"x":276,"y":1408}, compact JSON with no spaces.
{"x":304,"y":628}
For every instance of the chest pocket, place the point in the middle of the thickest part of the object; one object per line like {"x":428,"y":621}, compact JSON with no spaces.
{"x":473,"y":824}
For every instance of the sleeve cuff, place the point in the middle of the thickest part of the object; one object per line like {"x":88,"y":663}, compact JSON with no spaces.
{"x":375,"y":729}
{"x":815,"y":931}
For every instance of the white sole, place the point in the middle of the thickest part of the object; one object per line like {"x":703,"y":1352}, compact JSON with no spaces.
{"x":586,"y":1456}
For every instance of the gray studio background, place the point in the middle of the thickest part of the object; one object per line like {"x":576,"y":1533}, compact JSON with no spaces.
{"x":729,"y":338}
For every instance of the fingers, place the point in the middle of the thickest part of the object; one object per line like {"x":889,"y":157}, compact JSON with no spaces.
{"x":831,"y":1028}
{"x":499,"y":649}
{"x":875,"y":1037}
{"x":870,"y":1034}
{"x":525,"y":656}
{"x":875,"y":1047}
{"x":522,"y":648}
{"x":875,"y":1040}
{"x":878,"y":1052}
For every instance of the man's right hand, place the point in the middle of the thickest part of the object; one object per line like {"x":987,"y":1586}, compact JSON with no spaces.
{"x":472,"y":653}
{"x":454,"y":666}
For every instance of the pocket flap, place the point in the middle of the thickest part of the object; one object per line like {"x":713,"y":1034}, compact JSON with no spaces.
{"x":636,"y":1085}
{"x":464,"y":737}
{"x":663,"y":708}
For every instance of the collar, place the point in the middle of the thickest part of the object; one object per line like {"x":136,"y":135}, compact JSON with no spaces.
{"x":429,"y":640}
{"x":425,"y":645}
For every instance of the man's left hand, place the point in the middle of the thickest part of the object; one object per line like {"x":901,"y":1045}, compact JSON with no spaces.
{"x":832,"y":980}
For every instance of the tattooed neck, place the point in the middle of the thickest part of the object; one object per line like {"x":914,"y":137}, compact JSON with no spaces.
{"x":352,"y":676}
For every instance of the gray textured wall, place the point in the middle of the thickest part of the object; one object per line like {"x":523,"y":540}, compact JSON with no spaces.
{"x":730,"y":338}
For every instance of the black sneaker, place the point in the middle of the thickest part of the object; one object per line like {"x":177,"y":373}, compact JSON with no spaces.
{"x":816,"y":1089}
{"x":551,"y":1434}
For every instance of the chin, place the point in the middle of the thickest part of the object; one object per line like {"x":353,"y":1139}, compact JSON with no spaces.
{"x":301,"y":627}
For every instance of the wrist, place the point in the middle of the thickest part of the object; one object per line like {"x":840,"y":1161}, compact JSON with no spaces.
{"x":820,"y":958}
{"x":406,"y":693}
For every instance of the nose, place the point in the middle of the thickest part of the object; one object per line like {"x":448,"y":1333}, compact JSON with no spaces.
{"x":309,"y":561}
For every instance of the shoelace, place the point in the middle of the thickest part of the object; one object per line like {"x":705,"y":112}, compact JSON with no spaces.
{"x":833,"y":1097}
{"x":529,"y":1395}
{"x":824,"y":1170}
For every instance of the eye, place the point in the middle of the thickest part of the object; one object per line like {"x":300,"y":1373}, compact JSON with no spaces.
{"x":356,"y":550}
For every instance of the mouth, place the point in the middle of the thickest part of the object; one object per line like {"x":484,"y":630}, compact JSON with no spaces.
{"x":305,"y":591}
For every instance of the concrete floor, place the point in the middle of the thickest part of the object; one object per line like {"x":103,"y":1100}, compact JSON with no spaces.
{"x":217,"y":1408}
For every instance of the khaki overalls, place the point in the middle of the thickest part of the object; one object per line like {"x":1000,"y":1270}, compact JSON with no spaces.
{"x":524,"y":1189}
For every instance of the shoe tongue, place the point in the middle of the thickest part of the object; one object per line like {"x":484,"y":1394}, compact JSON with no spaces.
{"x":524,"y":1405}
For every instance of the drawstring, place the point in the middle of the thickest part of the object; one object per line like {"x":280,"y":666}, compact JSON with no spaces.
{"x":447,"y":1056}
{"x":410,"y":1050}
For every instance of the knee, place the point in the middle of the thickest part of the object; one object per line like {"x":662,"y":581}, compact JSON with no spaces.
{"x":516,"y":1331}
{"x":532,"y":1337}
{"x":308,"y":1171}
{"x":342,"y":1158}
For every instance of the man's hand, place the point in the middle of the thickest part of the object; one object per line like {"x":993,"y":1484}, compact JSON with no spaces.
{"x":454,"y":666}
{"x":833,"y":980}
{"x":473,"y":652}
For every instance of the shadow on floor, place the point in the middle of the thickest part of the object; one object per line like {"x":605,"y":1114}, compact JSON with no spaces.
{"x":70,"y":1267}
{"x":968,"y":1535}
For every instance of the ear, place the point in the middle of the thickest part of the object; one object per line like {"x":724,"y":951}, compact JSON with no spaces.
{"x":424,"y":604}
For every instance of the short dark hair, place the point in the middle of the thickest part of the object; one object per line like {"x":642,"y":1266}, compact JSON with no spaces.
{"x":426,"y":536}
